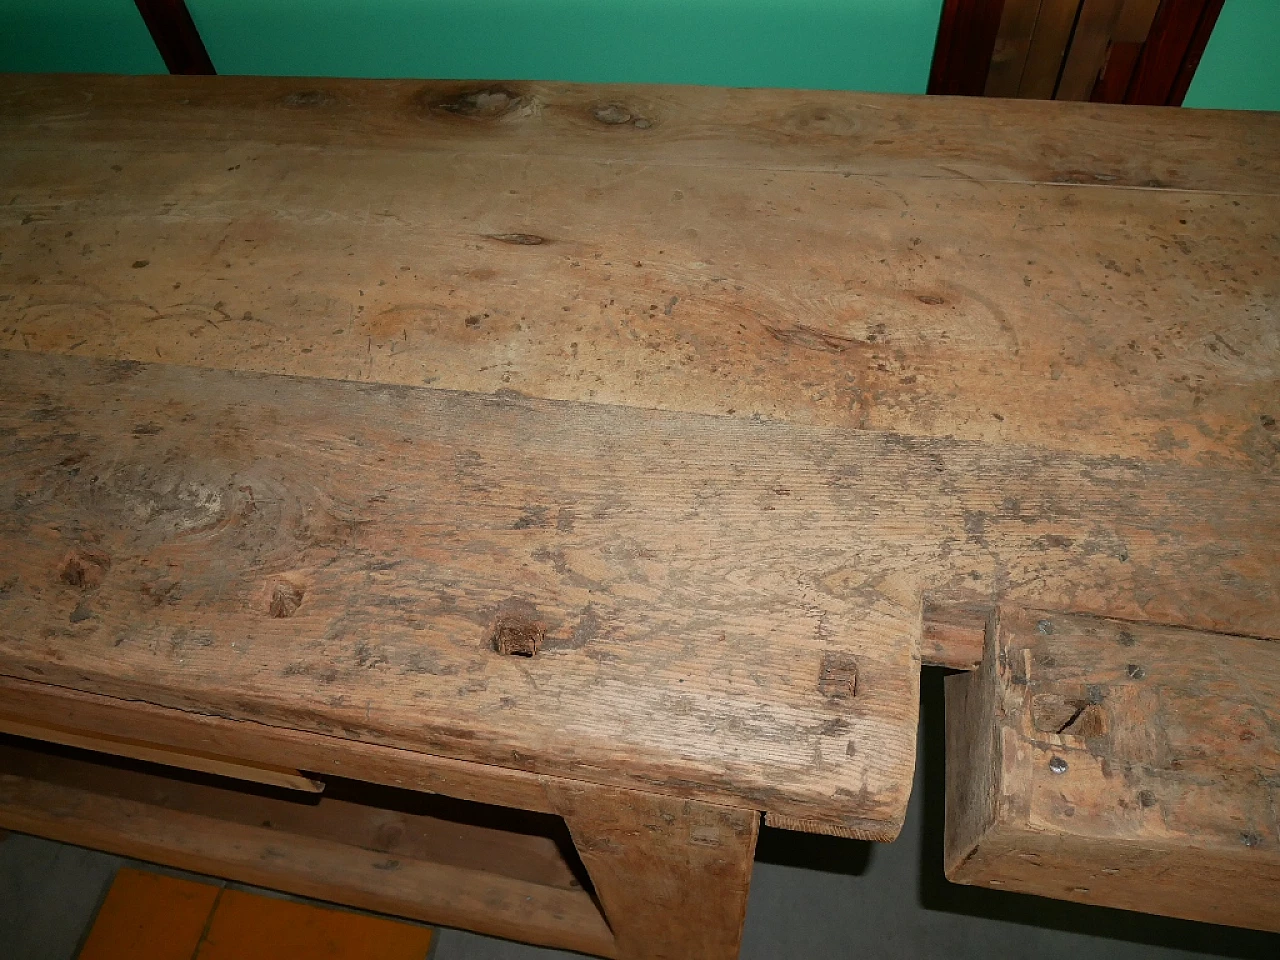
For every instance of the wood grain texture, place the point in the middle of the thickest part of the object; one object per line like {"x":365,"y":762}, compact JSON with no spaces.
{"x":121,"y":747}
{"x":700,"y":617}
{"x":1017,"y":24}
{"x":738,"y":575}
{"x":1120,"y":764}
{"x":1048,"y":49}
{"x":66,"y":800}
{"x":1088,"y":320}
{"x":672,"y":876}
{"x":861,"y":134}
{"x":1088,"y":51}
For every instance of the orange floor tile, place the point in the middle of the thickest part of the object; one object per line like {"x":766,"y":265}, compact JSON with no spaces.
{"x":148,"y":916}
{"x":247,"y":926}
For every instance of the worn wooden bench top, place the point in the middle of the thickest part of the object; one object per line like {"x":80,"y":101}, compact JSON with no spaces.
{"x":710,"y":391}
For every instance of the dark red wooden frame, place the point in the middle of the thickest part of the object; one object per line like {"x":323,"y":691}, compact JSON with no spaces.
{"x":175,"y":36}
{"x":1157,"y":72}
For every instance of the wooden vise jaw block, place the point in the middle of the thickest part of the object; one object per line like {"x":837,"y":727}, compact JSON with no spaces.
{"x":1120,"y":764}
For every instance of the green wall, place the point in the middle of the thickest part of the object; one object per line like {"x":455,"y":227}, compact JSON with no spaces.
{"x":843,"y":44}
{"x":75,"y":36}
{"x":833,"y":44}
{"x":1241,"y":66}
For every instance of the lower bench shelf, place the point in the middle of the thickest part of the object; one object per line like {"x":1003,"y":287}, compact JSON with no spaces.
{"x":506,"y":872}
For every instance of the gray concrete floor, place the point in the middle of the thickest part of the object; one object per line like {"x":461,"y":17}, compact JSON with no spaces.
{"x":811,"y":897}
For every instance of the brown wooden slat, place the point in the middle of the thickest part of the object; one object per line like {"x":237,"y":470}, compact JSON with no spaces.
{"x":176,"y":37}
{"x":1169,"y":42}
{"x":141,"y":750}
{"x":184,"y":730}
{"x":1017,"y":23}
{"x":1113,"y":85}
{"x":1195,"y":50}
{"x":1088,"y":50}
{"x":1134,"y":22}
{"x":1048,"y":49}
{"x":962,"y":53}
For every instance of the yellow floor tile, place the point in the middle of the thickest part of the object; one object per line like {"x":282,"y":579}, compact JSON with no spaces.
{"x":248,"y":926}
{"x":148,"y":916}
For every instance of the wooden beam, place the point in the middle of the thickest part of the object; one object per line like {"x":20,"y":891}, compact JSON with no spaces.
{"x":406,"y":549}
{"x":1178,"y":36}
{"x":962,"y":53}
{"x":256,"y":743}
{"x":1195,"y":50}
{"x":672,"y":876}
{"x":176,"y":36}
{"x":1121,"y":764}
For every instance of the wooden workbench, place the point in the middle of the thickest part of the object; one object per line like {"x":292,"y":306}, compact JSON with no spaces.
{"x":617,"y":455}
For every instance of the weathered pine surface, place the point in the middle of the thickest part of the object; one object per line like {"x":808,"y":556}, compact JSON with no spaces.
{"x":724,"y":259}
{"x":705,"y":390}
{"x":1123,"y":764}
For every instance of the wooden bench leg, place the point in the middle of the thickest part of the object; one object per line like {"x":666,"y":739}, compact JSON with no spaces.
{"x":671,"y":875}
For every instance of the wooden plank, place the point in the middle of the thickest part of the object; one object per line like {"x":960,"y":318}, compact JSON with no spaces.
{"x":556,"y":517}
{"x":780,"y":624}
{"x":128,"y":120}
{"x":121,"y":747}
{"x":56,"y":798}
{"x":672,"y":876}
{"x":1120,"y":764}
{"x":1070,"y":319}
{"x":1048,"y":49}
{"x":1017,"y":23}
{"x":258,"y":743}
{"x":1088,"y":51}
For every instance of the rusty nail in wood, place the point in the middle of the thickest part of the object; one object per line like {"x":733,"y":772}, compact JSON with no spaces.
{"x":1045,"y":626}
{"x":1057,"y":765}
